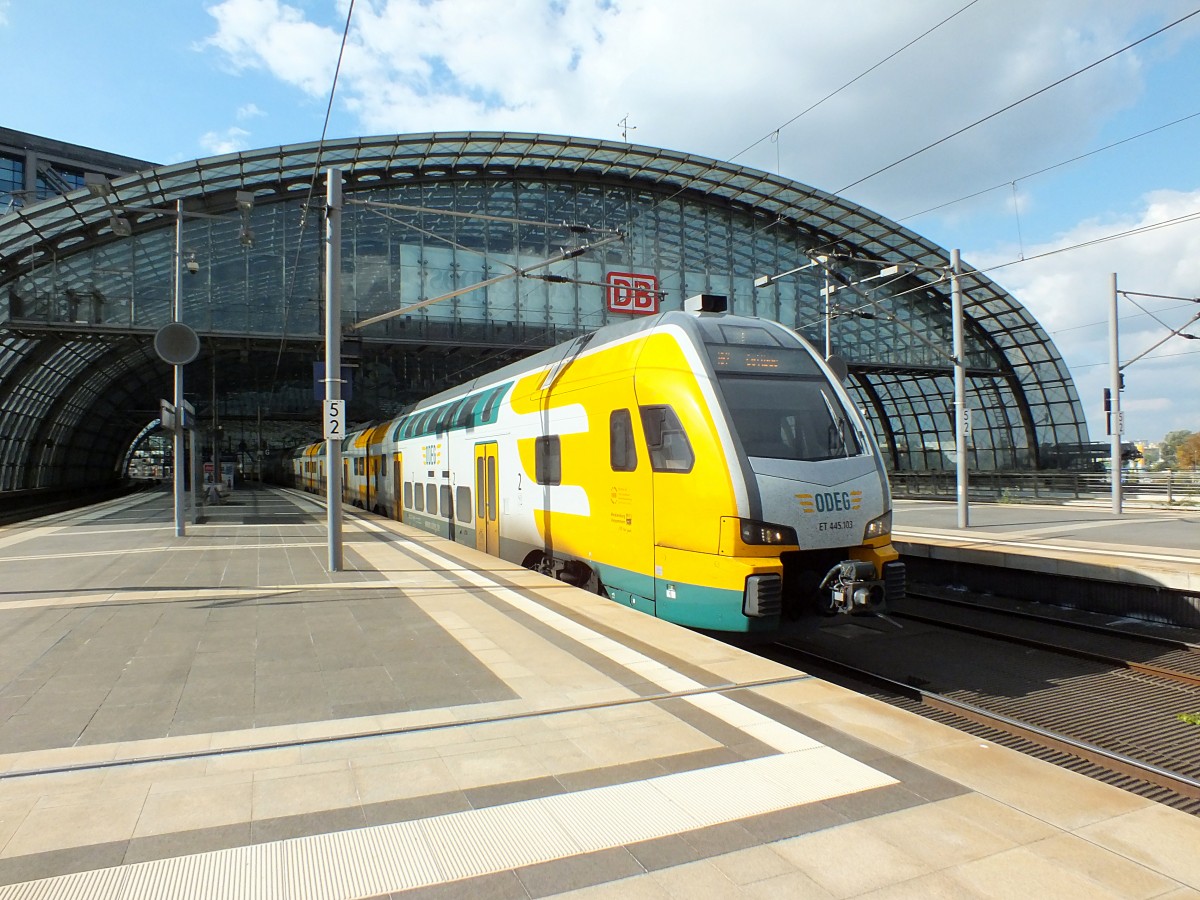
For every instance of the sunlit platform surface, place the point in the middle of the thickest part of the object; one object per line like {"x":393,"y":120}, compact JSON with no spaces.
{"x":1153,"y":546}
{"x":216,"y":715}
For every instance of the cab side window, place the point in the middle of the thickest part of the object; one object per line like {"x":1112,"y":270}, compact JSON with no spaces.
{"x":667,"y":442}
{"x":622,"y":454}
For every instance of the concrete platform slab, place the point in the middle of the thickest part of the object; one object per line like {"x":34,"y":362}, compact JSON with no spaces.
{"x":217,"y":715}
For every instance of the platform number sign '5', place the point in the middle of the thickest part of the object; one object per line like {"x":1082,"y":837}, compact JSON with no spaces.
{"x":335,"y":419}
{"x":629,"y":292}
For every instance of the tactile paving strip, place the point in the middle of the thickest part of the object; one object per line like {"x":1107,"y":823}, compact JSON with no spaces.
{"x":375,"y":860}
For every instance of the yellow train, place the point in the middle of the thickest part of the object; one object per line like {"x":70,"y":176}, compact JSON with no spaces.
{"x":702,"y":467}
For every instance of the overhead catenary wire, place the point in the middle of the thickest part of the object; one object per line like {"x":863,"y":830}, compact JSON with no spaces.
{"x":1017,"y":103}
{"x":775,"y":131}
{"x":1050,"y":168}
{"x":290,"y":290}
{"x":990,"y":116}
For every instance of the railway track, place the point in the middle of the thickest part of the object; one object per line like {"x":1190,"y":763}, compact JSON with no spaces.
{"x":1174,"y":659}
{"x":1099,"y":702}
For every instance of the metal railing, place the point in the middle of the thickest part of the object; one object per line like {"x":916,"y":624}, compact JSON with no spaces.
{"x":1166,"y":487}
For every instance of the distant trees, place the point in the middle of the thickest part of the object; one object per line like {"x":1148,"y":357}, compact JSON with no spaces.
{"x":1171,"y":445}
{"x":1187,"y":454}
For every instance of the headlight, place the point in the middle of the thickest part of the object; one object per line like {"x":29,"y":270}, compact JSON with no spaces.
{"x":766,"y":533}
{"x":880,"y":527}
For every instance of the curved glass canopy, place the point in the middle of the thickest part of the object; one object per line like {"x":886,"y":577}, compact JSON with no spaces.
{"x":89,"y":277}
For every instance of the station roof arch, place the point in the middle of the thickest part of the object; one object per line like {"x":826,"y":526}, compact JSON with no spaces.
{"x":89,"y":279}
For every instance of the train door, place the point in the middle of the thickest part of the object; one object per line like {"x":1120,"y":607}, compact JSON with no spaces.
{"x":372,"y":479}
{"x":487,"y":499}
{"x":678,"y":498}
{"x":397,"y":497}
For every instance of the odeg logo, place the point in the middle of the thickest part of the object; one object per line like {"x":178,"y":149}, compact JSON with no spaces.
{"x":830,"y":501}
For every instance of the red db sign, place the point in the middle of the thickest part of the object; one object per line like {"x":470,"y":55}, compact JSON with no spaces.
{"x":629,"y":292}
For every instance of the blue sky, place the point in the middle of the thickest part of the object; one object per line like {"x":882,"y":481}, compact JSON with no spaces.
{"x":171,"y":81}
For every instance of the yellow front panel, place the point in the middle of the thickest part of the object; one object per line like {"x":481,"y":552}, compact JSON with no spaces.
{"x":688,"y":506}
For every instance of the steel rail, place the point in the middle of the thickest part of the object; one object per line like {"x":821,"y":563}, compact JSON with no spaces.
{"x":1117,"y":763}
{"x":1144,"y":668}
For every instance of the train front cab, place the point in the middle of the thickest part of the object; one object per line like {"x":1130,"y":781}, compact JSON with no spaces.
{"x":716,"y":570}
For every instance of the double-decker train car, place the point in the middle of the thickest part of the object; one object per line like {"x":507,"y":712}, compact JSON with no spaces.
{"x":705,"y":468}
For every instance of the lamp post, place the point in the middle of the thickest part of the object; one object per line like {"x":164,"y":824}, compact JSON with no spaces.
{"x":1116,"y":421}
{"x":961,"y":413}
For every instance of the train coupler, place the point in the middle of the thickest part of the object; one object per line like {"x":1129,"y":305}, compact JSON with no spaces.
{"x":853,"y":589}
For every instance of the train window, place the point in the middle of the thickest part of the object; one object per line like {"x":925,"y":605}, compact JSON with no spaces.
{"x":622,"y":454}
{"x":431,"y":493}
{"x":462,"y":503}
{"x":670,"y":450}
{"x":547,"y":460}
{"x":446,"y":501}
{"x":491,"y":489}
{"x":418,"y":498}
{"x":790,"y":418}
{"x":488,"y":414}
{"x":408,"y":497}
{"x":462,"y":416}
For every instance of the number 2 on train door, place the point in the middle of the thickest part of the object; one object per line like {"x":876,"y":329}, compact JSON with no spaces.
{"x":487,"y":519}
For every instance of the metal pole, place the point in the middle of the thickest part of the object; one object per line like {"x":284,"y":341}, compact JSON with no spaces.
{"x":960,"y":390}
{"x":194,"y":444}
{"x":1114,"y":421}
{"x":333,"y":359}
{"x":828,"y":320}
{"x":177,"y":315}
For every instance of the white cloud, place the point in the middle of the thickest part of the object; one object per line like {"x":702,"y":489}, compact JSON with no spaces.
{"x":266,"y":34}
{"x":249,"y":111}
{"x":231,"y":140}
{"x":713,"y":77}
{"x":4,"y":5}
{"x":1069,"y":295}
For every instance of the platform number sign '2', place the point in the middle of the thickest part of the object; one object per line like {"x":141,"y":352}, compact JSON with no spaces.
{"x":335,"y":419}
{"x":629,"y":292}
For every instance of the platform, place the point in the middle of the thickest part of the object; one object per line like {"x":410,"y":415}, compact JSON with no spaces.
{"x":1145,"y":546}
{"x":217,"y":716}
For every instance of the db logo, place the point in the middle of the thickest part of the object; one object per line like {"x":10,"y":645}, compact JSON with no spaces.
{"x":632,"y":293}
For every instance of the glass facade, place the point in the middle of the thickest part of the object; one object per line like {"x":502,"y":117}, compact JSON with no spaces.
{"x":429,"y":216}
{"x":12,"y":182}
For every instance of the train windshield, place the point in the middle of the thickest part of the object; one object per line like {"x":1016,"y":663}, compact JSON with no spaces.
{"x":782,"y":405}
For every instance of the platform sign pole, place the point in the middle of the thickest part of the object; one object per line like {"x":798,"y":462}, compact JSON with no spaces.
{"x":333,"y":362}
{"x":960,"y":391}
{"x":1114,"y":419}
